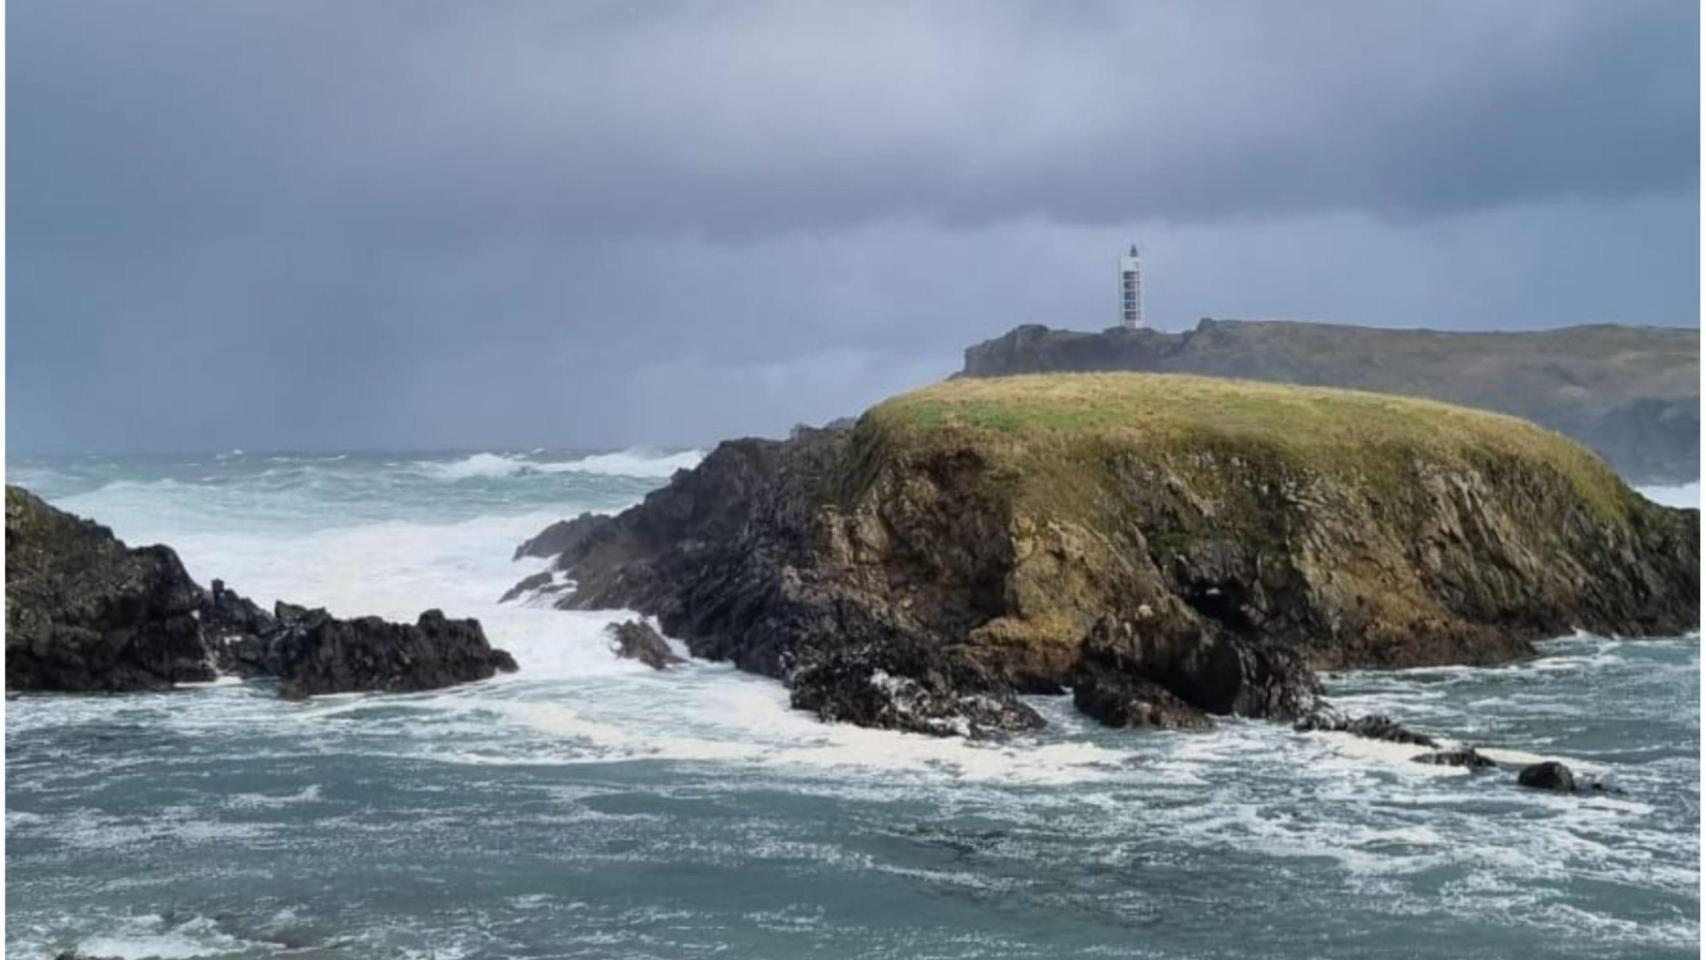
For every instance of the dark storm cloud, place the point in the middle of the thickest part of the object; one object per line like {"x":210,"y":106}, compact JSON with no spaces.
{"x":349,"y":224}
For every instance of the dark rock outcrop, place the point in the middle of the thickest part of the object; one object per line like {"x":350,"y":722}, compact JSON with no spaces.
{"x":1374,"y":726}
{"x":1458,"y":757}
{"x":902,"y":685}
{"x":636,"y":640}
{"x":1549,"y":775}
{"x":1630,"y":393}
{"x":313,"y":652}
{"x":562,"y":536}
{"x":537,"y":581}
{"x":86,"y":613}
{"x":1129,"y":674}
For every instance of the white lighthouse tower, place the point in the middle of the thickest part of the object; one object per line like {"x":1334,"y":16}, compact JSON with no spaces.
{"x":1131,"y":290}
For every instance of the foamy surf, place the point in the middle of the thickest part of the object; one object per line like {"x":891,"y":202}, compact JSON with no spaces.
{"x":626,"y":463}
{"x":590,"y":806}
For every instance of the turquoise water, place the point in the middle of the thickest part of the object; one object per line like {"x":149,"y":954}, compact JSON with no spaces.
{"x":588,"y":807}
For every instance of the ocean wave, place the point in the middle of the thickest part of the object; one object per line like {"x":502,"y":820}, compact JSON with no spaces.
{"x":625,"y":463}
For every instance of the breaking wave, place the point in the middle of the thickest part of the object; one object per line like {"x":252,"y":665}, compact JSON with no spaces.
{"x":589,"y":806}
{"x":626,"y":463}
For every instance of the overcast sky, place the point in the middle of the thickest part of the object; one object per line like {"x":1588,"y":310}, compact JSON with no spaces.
{"x":354,"y":224}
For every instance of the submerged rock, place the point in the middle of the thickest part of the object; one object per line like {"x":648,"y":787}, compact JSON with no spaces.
{"x":1167,"y":546}
{"x":636,"y":640}
{"x":1374,"y":726}
{"x":86,"y":613}
{"x":1549,"y":775}
{"x":1460,"y":757}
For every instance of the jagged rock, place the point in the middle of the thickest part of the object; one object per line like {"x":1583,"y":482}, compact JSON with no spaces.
{"x":1374,"y":726}
{"x":313,"y":653}
{"x":904,"y":687}
{"x":636,"y":640}
{"x":86,"y":613}
{"x":1549,"y":775}
{"x":1142,"y":673}
{"x":1460,"y":757}
{"x":1120,"y":699}
{"x":982,"y":539}
{"x":541,"y":579}
{"x":562,"y":536}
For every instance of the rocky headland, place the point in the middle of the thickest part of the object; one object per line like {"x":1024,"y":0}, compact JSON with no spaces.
{"x":85,"y":613}
{"x":1632,"y":394}
{"x":1172,"y":548}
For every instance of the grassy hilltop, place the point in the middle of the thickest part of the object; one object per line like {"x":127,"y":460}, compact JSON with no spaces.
{"x":1056,"y":431}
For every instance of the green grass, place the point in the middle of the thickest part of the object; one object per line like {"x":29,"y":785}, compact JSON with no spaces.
{"x":1048,"y":434}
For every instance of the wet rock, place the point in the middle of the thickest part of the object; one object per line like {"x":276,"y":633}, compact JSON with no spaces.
{"x":313,"y":653}
{"x":1123,"y":700}
{"x":84,"y":612}
{"x":527,"y":584}
{"x":905,"y":688}
{"x":1141,"y":673}
{"x":1550,"y":775}
{"x":636,"y":640}
{"x":1460,"y":757}
{"x":564,"y":536}
{"x":1374,"y":726}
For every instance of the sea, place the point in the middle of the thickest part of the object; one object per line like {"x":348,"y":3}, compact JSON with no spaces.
{"x":589,"y":807}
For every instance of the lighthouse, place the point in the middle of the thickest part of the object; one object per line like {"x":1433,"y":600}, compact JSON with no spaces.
{"x":1131,"y":290}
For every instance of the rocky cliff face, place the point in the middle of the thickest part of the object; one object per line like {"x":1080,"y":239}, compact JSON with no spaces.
{"x":958,"y":548}
{"x":86,"y":613}
{"x":1632,"y":394}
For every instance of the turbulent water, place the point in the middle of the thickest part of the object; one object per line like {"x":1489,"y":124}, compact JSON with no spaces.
{"x":590,"y":807}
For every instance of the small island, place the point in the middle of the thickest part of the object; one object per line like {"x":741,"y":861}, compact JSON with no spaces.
{"x":1170,"y":547}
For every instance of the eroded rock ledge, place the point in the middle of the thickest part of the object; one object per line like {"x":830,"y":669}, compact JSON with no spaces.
{"x":84,"y":612}
{"x":1172,"y":548}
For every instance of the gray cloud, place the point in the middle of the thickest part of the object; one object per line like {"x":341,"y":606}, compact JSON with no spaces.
{"x":434,"y":224}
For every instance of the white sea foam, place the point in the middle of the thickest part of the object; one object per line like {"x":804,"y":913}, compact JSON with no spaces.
{"x":626,"y":463}
{"x":1360,"y":806}
{"x":157,"y":939}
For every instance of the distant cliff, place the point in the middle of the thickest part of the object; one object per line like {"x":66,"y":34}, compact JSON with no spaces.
{"x":1632,"y":394}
